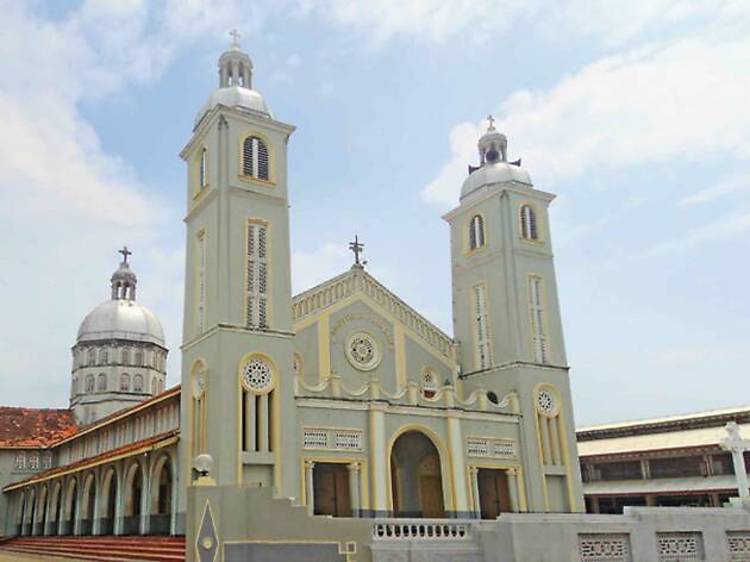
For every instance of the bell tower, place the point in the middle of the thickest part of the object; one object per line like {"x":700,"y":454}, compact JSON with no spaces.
{"x":237,"y":383}
{"x":506,"y":315}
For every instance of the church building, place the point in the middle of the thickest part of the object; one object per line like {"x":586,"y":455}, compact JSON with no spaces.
{"x":339,"y":415}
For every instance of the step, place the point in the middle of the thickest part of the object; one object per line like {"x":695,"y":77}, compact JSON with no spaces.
{"x":141,"y":553}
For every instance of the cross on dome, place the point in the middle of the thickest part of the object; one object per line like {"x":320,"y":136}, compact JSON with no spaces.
{"x":125,"y":253}
{"x":491,"y":121}
{"x":235,"y":38}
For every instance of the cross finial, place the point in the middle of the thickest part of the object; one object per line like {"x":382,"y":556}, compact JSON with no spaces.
{"x":357,"y":247}
{"x":491,"y":121}
{"x":125,"y":253}
{"x":235,"y":38}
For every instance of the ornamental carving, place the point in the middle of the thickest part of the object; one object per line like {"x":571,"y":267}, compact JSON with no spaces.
{"x":362,"y":351}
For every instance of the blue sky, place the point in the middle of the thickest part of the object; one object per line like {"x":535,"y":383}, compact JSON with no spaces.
{"x":635,"y":114}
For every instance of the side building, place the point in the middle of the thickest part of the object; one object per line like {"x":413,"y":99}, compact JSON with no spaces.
{"x":668,"y":462}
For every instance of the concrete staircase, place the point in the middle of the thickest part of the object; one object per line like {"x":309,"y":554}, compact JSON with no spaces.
{"x":104,"y":549}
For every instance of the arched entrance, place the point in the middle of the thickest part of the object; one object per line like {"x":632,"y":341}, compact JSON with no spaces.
{"x":133,"y":496}
{"x":87,"y":505}
{"x":108,"y":503}
{"x":55,"y":509}
{"x":71,"y":502}
{"x":40,"y":521}
{"x":161,"y":498}
{"x":416,"y":479}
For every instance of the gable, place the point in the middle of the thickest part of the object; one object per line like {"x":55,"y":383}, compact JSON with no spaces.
{"x":356,"y":284}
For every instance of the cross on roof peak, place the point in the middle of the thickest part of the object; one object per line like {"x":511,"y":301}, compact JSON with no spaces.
{"x":357,"y":248}
{"x":491,"y":121}
{"x":125,"y":253}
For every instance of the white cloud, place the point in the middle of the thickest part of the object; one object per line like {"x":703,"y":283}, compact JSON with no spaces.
{"x":683,"y":101}
{"x":725,"y":187}
{"x":319,"y":265}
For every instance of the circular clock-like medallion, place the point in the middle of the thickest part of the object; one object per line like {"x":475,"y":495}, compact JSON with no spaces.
{"x":199,"y":384}
{"x":257,"y":376}
{"x":362,"y":351}
{"x":545,"y":403}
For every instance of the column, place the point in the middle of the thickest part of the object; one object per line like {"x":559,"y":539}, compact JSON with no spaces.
{"x":457,"y":464}
{"x":512,"y":475}
{"x":737,"y":446}
{"x":145,"y":504}
{"x":76,"y":523}
{"x":378,"y":460}
{"x":310,"y":487}
{"x":476,"y":503}
{"x":95,"y":520}
{"x":46,"y":516}
{"x":119,"y":507}
{"x":175,"y":491}
{"x":354,"y":492}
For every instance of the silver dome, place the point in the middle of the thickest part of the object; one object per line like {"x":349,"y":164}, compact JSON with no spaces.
{"x":498,"y":172}
{"x":235,"y":97}
{"x":121,"y":319}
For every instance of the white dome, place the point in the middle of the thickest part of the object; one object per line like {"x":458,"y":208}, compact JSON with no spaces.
{"x":235,"y":97}
{"x":121,"y":319}
{"x":498,"y":172}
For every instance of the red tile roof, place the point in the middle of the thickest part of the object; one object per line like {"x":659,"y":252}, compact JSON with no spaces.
{"x":32,"y":428}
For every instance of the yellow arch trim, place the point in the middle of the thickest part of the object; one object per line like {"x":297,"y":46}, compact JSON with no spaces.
{"x":446,"y":470}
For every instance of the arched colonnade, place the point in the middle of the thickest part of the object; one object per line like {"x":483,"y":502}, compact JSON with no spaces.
{"x":131,"y":496}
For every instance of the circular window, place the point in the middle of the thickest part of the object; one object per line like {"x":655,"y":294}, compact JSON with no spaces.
{"x":257,"y":376}
{"x":362,"y":351}
{"x":545,"y":403}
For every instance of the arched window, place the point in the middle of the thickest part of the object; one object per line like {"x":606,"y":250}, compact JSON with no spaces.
{"x":202,"y":178}
{"x":125,"y":382}
{"x":101,"y":382}
{"x":255,"y":158}
{"x":139,"y":358}
{"x":154,"y":386}
{"x":476,"y":232}
{"x":91,"y":359}
{"x":528,"y":223}
{"x":125,"y":356}
{"x":89,"y":383}
{"x":138,"y":383}
{"x":103,"y":356}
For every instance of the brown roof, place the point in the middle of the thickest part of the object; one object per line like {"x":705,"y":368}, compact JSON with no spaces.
{"x":34,"y":428}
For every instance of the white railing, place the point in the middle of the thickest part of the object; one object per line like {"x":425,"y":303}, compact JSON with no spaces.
{"x":423,"y":530}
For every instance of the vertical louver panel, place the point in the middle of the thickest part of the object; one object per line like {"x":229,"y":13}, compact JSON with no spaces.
{"x":255,"y":160}
{"x":481,"y":328}
{"x":528,"y":223}
{"x":536,"y":311}
{"x":256,"y":306}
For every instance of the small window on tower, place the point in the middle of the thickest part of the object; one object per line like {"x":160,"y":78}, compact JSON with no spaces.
{"x":101,"y":382}
{"x":138,"y":383}
{"x":89,"y":383}
{"x":476,"y":232}
{"x":202,"y":177}
{"x":528,"y":223}
{"x":125,"y":382}
{"x":255,"y":158}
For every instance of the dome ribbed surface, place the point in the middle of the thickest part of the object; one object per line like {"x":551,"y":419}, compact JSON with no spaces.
{"x":124,"y":320}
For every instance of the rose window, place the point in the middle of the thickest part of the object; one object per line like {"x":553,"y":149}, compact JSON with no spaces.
{"x":362,"y":351}
{"x":257,"y":376}
{"x":545,"y":402}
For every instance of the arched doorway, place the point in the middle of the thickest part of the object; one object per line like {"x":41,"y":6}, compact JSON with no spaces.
{"x":55,"y":509}
{"x":40,"y":521}
{"x":133,"y":495}
{"x":87,"y":505}
{"x":416,"y":478}
{"x":71,"y":502}
{"x":108,"y":503}
{"x":161,"y":498}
